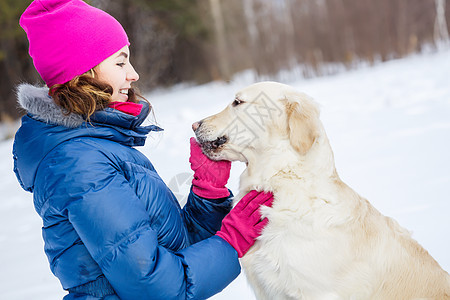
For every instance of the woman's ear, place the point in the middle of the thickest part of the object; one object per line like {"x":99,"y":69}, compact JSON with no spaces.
{"x":303,"y":117}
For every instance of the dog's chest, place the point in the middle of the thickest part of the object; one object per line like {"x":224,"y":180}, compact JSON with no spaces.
{"x":293,"y":253}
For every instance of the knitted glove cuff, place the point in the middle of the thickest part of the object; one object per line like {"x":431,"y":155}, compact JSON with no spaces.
{"x":206,"y":189}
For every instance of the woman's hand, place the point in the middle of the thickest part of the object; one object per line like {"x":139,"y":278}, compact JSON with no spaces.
{"x":210,"y":176}
{"x":243,"y":224}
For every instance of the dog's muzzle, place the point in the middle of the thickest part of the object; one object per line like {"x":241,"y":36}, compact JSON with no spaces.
{"x":208,"y":146}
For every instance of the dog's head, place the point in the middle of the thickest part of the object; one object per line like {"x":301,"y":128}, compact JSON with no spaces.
{"x":260,"y":116}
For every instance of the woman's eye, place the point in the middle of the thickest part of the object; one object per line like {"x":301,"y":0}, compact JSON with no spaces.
{"x":236,"y":102}
{"x":121,"y":64}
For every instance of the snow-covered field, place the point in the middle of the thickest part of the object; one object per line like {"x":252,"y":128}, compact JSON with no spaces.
{"x":389,"y":127}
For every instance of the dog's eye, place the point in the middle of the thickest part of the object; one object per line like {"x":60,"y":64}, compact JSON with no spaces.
{"x":236,"y":102}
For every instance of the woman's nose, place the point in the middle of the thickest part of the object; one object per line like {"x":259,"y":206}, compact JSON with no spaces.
{"x":132,"y":75}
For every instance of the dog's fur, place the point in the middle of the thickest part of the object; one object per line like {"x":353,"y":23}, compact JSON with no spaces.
{"x":323,"y":240}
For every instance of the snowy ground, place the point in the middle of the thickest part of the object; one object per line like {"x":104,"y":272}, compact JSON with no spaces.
{"x":389,"y":127}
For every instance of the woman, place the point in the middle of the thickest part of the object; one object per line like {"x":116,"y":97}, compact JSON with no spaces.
{"x":112,"y":228}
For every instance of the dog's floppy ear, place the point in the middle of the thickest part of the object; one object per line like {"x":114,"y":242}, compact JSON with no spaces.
{"x":302,"y":122}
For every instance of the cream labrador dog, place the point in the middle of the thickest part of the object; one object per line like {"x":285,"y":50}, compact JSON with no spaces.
{"x":323,"y":240}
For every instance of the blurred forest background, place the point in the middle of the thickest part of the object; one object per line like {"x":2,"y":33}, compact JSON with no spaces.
{"x":197,"y":41}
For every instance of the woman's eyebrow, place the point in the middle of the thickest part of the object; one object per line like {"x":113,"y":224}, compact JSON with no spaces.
{"x":123,"y":54}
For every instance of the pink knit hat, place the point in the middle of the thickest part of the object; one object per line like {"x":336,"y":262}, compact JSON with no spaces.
{"x":69,"y":37}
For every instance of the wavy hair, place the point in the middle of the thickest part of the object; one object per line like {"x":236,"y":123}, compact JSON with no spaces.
{"x":86,"y":94}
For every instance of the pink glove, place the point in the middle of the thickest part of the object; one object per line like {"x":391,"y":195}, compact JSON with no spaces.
{"x":210,"y":176}
{"x":243,"y":224}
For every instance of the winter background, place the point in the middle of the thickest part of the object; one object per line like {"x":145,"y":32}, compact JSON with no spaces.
{"x":389,"y":127}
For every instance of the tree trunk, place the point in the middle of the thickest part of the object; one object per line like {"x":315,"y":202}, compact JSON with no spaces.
{"x":441,"y":37}
{"x":219,"y":29}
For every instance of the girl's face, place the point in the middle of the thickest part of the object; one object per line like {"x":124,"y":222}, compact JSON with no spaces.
{"x":118,"y":72}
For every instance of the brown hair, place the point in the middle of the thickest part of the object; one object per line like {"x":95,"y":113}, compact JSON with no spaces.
{"x":86,"y":94}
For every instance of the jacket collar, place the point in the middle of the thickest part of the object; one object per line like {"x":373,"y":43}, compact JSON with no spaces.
{"x":46,"y":126}
{"x":36,"y":101}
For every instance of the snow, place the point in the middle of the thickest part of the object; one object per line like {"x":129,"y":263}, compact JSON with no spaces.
{"x":389,"y":127}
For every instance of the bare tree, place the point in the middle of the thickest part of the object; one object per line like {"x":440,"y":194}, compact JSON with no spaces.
{"x":441,"y":37}
{"x":221,"y":45}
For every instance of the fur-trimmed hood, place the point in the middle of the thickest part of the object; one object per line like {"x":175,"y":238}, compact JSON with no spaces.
{"x":46,"y":126}
{"x":36,"y":101}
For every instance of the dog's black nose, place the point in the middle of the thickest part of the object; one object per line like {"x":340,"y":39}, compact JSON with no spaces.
{"x":196,"y":125}
{"x":219,"y":141}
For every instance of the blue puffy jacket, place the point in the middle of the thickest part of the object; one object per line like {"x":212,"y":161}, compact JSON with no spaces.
{"x":109,"y":221}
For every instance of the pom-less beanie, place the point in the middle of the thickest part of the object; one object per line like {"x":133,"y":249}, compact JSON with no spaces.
{"x":69,"y":37}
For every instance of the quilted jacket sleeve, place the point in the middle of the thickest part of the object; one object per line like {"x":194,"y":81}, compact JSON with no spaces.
{"x":203,"y":217}
{"x":113,"y":224}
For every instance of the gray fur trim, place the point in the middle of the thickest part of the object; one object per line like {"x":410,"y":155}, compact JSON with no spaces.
{"x":36,"y":101}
